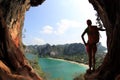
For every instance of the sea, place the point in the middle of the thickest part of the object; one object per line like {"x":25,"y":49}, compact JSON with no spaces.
{"x":59,"y":69}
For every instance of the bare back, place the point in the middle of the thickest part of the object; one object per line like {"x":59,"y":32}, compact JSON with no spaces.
{"x":93,"y":34}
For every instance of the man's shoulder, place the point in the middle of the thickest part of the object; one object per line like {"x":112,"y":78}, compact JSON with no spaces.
{"x":86,"y":29}
{"x":94,"y":27}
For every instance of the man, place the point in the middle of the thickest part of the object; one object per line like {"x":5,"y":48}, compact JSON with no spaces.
{"x":93,"y":39}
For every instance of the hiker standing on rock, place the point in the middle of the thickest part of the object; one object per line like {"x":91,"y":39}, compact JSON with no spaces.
{"x":93,"y":39}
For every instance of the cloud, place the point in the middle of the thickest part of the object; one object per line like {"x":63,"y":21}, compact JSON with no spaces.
{"x":47,"y":29}
{"x":34,"y":41}
{"x":61,"y":27}
{"x":38,"y":41}
{"x":65,"y":25}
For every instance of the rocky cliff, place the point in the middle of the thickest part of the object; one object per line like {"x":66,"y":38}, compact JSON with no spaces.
{"x":13,"y":65}
{"x":109,"y":13}
{"x":66,"y":49}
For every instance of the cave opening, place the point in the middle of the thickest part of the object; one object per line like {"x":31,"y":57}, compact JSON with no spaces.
{"x":13,"y":17}
{"x":58,"y":22}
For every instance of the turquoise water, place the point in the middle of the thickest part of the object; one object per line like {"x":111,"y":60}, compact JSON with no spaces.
{"x":60,"y":70}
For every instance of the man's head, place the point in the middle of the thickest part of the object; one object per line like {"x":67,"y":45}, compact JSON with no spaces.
{"x":89,"y":22}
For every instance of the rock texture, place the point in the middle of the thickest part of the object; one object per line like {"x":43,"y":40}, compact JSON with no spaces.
{"x":56,"y":50}
{"x":109,"y":12}
{"x":13,"y":65}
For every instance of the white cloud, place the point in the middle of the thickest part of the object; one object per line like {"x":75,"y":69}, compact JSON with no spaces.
{"x":65,"y":24}
{"x":47,"y":29}
{"x":34,"y":41}
{"x":61,"y":27}
{"x":38,"y":41}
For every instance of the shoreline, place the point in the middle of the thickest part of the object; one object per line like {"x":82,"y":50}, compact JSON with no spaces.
{"x":81,"y":64}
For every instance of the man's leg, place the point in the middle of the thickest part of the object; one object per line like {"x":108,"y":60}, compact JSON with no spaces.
{"x":89,"y":51}
{"x":90,"y":60}
{"x":94,"y":49}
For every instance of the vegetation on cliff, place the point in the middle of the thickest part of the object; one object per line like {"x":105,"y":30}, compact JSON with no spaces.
{"x":10,"y":38}
{"x":58,"y":50}
{"x":33,"y":60}
{"x":73,"y":52}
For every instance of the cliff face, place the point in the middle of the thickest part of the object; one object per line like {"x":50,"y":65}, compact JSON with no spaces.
{"x":13,"y":13}
{"x":13,"y":65}
{"x":109,"y":13}
{"x":56,"y":50}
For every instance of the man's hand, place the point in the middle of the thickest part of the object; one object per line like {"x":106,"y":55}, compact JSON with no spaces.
{"x":86,"y":44}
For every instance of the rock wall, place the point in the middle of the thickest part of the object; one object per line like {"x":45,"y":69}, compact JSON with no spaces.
{"x":13,"y":64}
{"x":109,"y":13}
{"x":14,"y":12}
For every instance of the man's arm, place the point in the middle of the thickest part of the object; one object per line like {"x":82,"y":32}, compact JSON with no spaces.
{"x":83,"y":36}
{"x":100,"y":29}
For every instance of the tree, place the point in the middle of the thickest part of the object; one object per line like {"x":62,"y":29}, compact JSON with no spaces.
{"x":109,"y":12}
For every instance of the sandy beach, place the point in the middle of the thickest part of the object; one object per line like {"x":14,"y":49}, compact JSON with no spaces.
{"x":81,"y":64}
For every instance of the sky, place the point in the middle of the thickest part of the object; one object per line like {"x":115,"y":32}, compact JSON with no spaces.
{"x":58,"y":22}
